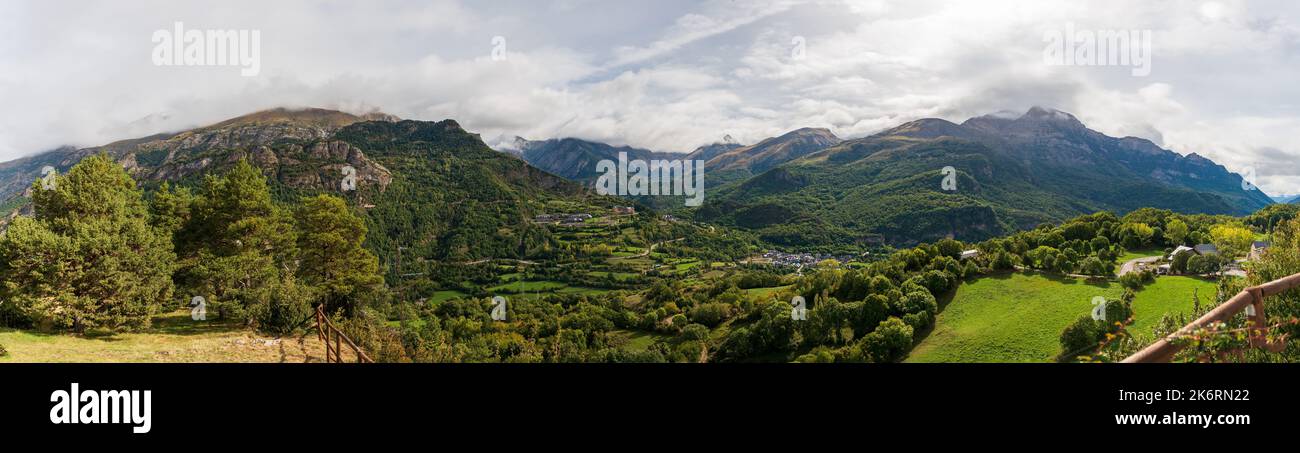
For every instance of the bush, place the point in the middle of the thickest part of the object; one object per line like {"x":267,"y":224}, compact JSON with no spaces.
{"x":1079,"y":336}
{"x":1135,"y":280}
{"x":285,"y":309}
{"x":1094,"y":266}
{"x":888,"y":343}
{"x":1204,"y":264}
{"x":710,"y":314}
{"x":695,"y":332}
{"x":3,"y":351}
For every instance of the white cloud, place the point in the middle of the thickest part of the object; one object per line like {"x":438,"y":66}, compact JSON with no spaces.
{"x":671,"y":75}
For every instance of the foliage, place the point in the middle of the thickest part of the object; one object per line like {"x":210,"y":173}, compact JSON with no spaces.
{"x":89,"y":258}
{"x":1232,"y":241}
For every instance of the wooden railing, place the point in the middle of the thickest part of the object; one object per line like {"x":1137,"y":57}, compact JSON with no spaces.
{"x":329,"y":334}
{"x":1253,"y":297}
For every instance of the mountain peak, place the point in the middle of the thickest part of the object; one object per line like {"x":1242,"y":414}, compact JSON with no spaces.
{"x":318,"y":117}
{"x":1037,"y":113}
{"x":927,"y":128}
{"x":1036,"y":118}
{"x":820,"y":132}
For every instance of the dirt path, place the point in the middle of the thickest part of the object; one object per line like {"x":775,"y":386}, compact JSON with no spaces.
{"x":1131,"y":265}
{"x":651,"y":249}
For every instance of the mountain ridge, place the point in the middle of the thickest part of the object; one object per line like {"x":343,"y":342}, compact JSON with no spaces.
{"x":1011,"y":172}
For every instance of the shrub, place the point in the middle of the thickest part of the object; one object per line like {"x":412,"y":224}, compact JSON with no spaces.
{"x":891,"y":339}
{"x":1094,"y":266}
{"x":710,"y":314}
{"x":695,"y":332}
{"x":1079,"y":336}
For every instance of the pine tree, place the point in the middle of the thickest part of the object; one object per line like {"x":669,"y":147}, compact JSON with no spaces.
{"x":90,"y":257}
{"x":332,"y":256}
{"x":237,"y":243}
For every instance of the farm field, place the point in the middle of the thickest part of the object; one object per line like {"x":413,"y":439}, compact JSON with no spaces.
{"x":1172,"y":294}
{"x":1013,"y":317}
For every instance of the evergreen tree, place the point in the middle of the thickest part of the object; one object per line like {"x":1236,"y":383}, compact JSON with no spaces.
{"x":90,"y":257}
{"x":237,"y":243}
{"x":330,"y":237}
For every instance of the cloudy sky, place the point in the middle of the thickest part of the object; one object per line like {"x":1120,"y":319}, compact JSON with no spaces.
{"x":665,"y":74}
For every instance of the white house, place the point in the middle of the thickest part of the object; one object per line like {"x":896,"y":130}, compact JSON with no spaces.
{"x":1180,"y":249}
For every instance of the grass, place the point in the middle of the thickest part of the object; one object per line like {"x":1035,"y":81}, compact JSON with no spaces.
{"x":1170,"y":295}
{"x":527,"y":287}
{"x":1008,"y":318}
{"x":639,"y":341}
{"x":763,"y":293}
{"x":1135,"y":254}
{"x":619,"y":276}
{"x":443,"y":296}
{"x":174,"y":337}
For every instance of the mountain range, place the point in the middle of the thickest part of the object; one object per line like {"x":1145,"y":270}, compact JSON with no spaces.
{"x":435,"y":186}
{"x":1011,"y":172}
{"x":431,"y":188}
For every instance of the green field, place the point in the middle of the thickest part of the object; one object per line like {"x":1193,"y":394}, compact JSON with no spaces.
{"x":1168,"y":295}
{"x":1135,"y":254}
{"x":1009,"y":318}
{"x":527,"y":287}
{"x":442,"y":296}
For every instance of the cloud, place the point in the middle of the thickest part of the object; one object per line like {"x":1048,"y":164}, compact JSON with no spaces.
{"x":671,"y":75}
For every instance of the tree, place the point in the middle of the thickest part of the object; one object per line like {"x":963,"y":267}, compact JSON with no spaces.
{"x":89,"y":258}
{"x":888,"y":342}
{"x":170,"y":210}
{"x":1176,"y":232}
{"x":1094,"y":266}
{"x":1080,"y":337}
{"x":1232,"y":241}
{"x":330,"y":238}
{"x":1136,"y":235}
{"x":1179,"y":262}
{"x":236,"y":244}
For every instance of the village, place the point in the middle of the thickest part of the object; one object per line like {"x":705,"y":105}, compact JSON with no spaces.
{"x":578,"y":218}
{"x":780,"y":258}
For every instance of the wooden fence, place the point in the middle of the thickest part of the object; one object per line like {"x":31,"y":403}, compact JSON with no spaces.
{"x":1253,"y":297}
{"x":334,"y":340}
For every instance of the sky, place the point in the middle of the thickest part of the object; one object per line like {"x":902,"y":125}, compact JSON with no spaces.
{"x":667,"y":75}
